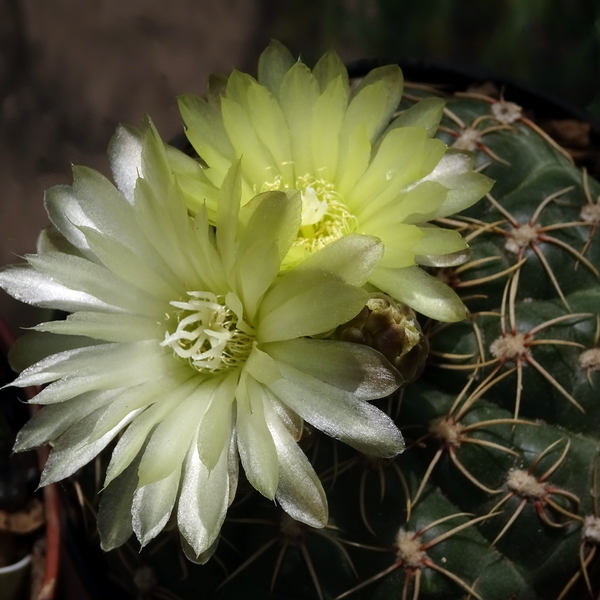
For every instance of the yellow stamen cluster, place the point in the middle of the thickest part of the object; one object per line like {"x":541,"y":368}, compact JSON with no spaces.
{"x":324,"y":218}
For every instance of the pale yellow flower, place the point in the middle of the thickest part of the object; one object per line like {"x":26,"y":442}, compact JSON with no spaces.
{"x":359,"y":167}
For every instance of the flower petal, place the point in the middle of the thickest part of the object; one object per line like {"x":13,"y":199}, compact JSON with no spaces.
{"x":206,"y":132}
{"x":300,"y":492}
{"x":258,"y":161}
{"x":103,"y":367}
{"x":297,"y":95}
{"x":255,"y":443}
{"x":136,"y":269}
{"x":70,"y":453}
{"x":307,"y":303}
{"x":338,"y":413}
{"x":136,"y":434}
{"x":352,"y":258}
{"x":138,"y":396}
{"x":421,"y":291}
{"x":426,"y":113}
{"x":351,"y":367}
{"x":175,"y":432}
{"x":34,"y":346}
{"x":125,"y":155}
{"x":375,"y":100}
{"x":397,"y":163}
{"x":52,"y":421}
{"x":152,"y":506}
{"x":203,"y":501}
{"x":455,"y":171}
{"x":438,"y":242}
{"x":329,"y":68}
{"x":327,"y":119}
{"x":275,"y":216}
{"x":76,"y":273}
{"x":274,"y":62}
{"x":110,"y":327}
{"x":114,"y":515}
{"x":227,"y":216}
{"x":28,"y":285}
{"x":272,"y":130}
{"x":215,"y":427}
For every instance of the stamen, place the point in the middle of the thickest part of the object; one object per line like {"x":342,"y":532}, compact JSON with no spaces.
{"x":207,"y":334}
{"x":324,"y":218}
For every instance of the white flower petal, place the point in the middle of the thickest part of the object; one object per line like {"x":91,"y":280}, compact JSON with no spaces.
{"x":110,"y":327}
{"x":125,"y":155}
{"x":101,"y":205}
{"x":338,"y":413}
{"x":351,"y":367}
{"x":51,"y":421}
{"x":214,"y":432}
{"x":255,"y":443}
{"x":66,"y":214}
{"x":27,"y":285}
{"x":135,"y":397}
{"x":80,"y":274}
{"x":152,"y":506}
{"x":136,"y":434}
{"x":104,"y":367}
{"x":275,"y":216}
{"x":299,"y":492}
{"x":228,"y":211}
{"x":202,"y":558}
{"x":203,"y":501}
{"x":138,"y":269}
{"x":69,"y":455}
{"x":175,"y":432}
{"x":233,"y":466}
{"x":52,"y":240}
{"x":114,"y":514}
{"x":262,"y":367}
{"x":34,"y":346}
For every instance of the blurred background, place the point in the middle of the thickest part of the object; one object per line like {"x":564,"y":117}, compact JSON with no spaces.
{"x":70,"y":70}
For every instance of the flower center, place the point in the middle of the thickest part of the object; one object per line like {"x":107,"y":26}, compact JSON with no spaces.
{"x":324,"y":218}
{"x":210,"y":334}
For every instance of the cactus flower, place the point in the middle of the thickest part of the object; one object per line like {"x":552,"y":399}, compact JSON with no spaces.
{"x":360,"y":166}
{"x":187,"y":347}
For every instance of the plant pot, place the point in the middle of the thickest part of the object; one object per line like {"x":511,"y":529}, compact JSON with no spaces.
{"x":29,"y":519}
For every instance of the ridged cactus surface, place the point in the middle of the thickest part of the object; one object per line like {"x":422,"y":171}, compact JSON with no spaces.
{"x":495,"y":497}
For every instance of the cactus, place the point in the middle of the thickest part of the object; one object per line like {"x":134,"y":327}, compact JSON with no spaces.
{"x":496,"y":496}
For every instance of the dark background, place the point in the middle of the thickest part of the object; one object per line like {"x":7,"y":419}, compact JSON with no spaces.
{"x":70,"y":70}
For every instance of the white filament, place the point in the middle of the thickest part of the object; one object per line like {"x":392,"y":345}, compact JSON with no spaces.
{"x":207,"y":335}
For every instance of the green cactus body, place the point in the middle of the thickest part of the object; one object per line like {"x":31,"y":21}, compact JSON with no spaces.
{"x":496,"y":496}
